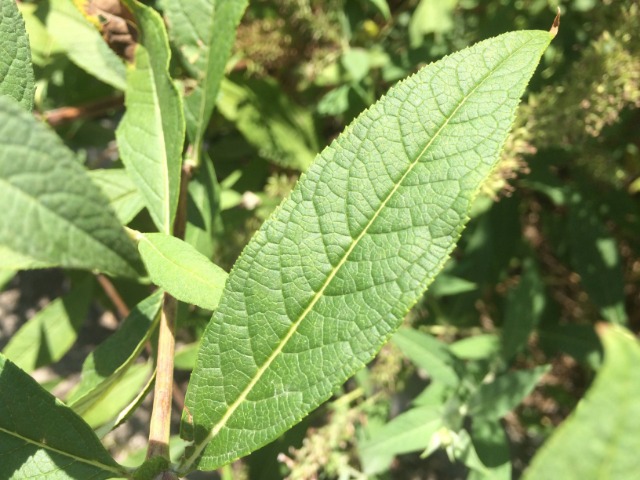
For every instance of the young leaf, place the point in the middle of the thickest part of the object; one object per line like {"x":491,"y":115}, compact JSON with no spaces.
{"x":124,"y":197}
{"x":16,"y":72}
{"x":83,"y":43}
{"x":408,"y":432}
{"x":330,"y":276}
{"x":42,"y":438}
{"x":52,"y":331}
{"x":53,"y":214}
{"x":600,"y":439}
{"x":181,"y":270}
{"x":429,"y":354}
{"x":106,"y":365}
{"x":204,"y":32}
{"x":151,"y":134}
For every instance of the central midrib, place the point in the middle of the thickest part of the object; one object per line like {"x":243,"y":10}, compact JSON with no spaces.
{"x":198,"y":448}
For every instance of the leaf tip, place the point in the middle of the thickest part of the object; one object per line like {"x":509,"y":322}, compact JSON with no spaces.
{"x":556,"y":24}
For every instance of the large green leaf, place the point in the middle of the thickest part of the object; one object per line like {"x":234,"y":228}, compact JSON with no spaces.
{"x":16,"y":72}
{"x":52,"y":331}
{"x":204,"y":32}
{"x":151,"y":134}
{"x":53,"y":213}
{"x":330,"y":276}
{"x":181,"y":270}
{"x":83,"y":43}
{"x":41,"y":438}
{"x":108,"y":363}
{"x":600,"y":440}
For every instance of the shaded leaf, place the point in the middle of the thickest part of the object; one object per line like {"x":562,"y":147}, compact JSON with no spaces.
{"x":330,"y":276}
{"x":51,"y":332}
{"x":279,"y":130}
{"x":42,"y":438}
{"x":525,"y":304}
{"x":106,"y":365}
{"x":600,"y":438}
{"x":595,"y":256}
{"x":16,"y":72}
{"x":54,"y":215}
{"x":181,"y":270}
{"x":476,"y":347}
{"x":495,"y":399}
{"x":151,"y":133}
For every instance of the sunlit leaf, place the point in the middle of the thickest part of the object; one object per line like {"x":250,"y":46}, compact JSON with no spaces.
{"x":330,"y":276}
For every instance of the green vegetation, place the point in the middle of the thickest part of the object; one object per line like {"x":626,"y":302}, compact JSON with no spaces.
{"x":366,"y":239}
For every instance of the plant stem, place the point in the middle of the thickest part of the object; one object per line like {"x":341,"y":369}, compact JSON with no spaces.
{"x":159,"y":431}
{"x":160,"y":427}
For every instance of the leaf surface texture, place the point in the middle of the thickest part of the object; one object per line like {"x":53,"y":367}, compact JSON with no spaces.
{"x":329,"y":277}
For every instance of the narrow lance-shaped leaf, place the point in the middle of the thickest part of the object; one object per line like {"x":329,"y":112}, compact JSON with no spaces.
{"x":204,"y":32}
{"x":330,"y":276}
{"x":600,"y":439}
{"x":42,"y":438}
{"x":151,"y":134}
{"x":108,"y":363}
{"x":16,"y":72}
{"x":53,"y":213}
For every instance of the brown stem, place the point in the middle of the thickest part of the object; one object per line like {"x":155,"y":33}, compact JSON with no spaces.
{"x":62,"y":115}
{"x":161,"y":414}
{"x":114,"y":296}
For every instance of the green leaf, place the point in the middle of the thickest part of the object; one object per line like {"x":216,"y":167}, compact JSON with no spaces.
{"x":83,"y":43}
{"x":42,"y":438}
{"x":106,"y":365}
{"x":124,"y":197}
{"x":51,"y":332}
{"x":495,"y":399}
{"x":329,"y":277}
{"x":408,"y":432}
{"x":430,"y":17}
{"x":119,"y":396}
{"x":524,"y":308}
{"x":579,"y":341}
{"x":280,"y":130}
{"x":595,"y":256}
{"x":181,"y":270}
{"x":204,"y":32}
{"x":16,"y":72}
{"x":5,"y":277}
{"x":185,"y":358}
{"x":151,"y":133}
{"x":476,"y":347}
{"x":600,"y":438}
{"x":54,"y":215}
{"x":203,"y":209}
{"x":429,"y":354}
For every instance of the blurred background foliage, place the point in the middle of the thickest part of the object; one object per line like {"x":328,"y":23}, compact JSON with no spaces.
{"x":504,"y":339}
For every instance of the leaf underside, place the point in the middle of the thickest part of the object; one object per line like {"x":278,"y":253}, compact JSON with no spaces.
{"x":16,"y":72}
{"x":53,"y":213}
{"x":330,"y":276}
